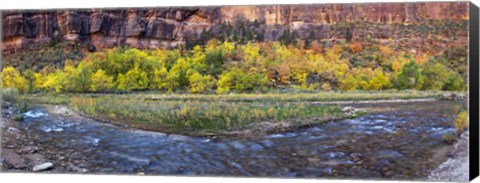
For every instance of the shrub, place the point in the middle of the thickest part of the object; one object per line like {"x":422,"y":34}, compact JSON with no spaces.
{"x":9,"y":94}
{"x":29,"y":75}
{"x":355,"y":47}
{"x":326,"y":86}
{"x":449,"y":138}
{"x":461,"y":122}
{"x":386,"y":50}
{"x":22,"y":106}
{"x":39,"y":56}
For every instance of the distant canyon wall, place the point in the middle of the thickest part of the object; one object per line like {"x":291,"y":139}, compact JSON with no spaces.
{"x":172,"y":26}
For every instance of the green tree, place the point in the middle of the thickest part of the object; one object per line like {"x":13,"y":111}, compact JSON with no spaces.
{"x":29,"y":75}
{"x":435,"y":75}
{"x":348,"y":34}
{"x":455,"y":83}
{"x":408,"y":76}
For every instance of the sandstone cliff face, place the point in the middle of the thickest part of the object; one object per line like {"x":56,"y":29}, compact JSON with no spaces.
{"x":169,"y":27}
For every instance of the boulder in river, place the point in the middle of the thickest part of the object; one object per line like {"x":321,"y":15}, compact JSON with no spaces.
{"x":43,"y":166}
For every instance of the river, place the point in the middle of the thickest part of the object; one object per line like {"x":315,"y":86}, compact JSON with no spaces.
{"x":402,"y":143}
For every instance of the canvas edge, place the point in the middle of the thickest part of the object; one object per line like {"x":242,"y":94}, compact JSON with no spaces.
{"x":474,"y":89}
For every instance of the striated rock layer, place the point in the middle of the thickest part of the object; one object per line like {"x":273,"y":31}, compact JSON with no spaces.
{"x":171,"y":26}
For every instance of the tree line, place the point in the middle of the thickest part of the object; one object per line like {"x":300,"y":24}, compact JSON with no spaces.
{"x":224,"y":67}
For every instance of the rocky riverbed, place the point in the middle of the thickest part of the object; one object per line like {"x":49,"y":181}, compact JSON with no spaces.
{"x":20,"y":152}
{"x":456,"y":167}
{"x":403,"y":142}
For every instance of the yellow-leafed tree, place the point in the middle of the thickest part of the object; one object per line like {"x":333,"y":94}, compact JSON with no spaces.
{"x":11,"y":78}
{"x":101,"y":82}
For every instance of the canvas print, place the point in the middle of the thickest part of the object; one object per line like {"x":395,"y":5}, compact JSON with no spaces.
{"x":326,"y":91}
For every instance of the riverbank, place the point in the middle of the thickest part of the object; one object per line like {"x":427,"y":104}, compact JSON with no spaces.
{"x":19,"y":152}
{"x":456,"y":167}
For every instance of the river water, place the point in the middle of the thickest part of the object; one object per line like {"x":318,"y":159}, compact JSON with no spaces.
{"x":401,"y":144}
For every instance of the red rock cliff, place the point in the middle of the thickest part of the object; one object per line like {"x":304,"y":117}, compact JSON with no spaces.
{"x":168,"y":27}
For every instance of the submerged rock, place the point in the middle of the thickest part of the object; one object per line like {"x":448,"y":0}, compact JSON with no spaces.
{"x":43,"y":166}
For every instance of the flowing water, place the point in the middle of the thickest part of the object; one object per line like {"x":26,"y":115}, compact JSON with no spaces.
{"x":401,"y":143}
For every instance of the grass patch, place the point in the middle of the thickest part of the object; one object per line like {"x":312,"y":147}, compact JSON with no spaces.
{"x":192,"y":116}
{"x":293,"y":97}
{"x":11,"y":95}
{"x":44,"y":98}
